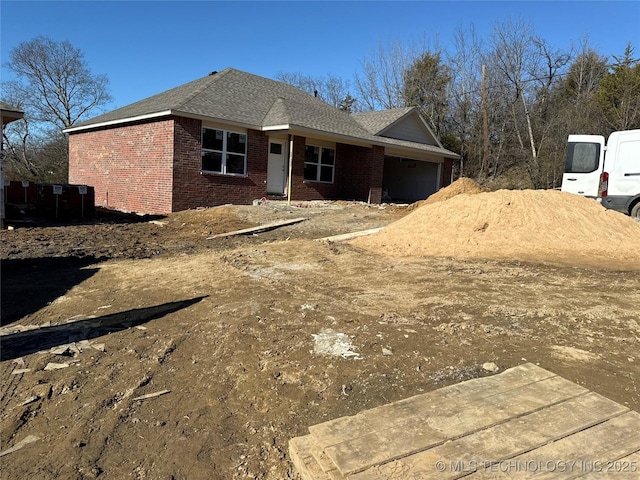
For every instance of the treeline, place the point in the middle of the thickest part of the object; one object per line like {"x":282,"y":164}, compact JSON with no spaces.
{"x":506,"y":103}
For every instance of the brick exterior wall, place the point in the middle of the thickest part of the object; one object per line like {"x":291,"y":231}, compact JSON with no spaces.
{"x":129,"y":166}
{"x":361,"y":172}
{"x":133,"y":167}
{"x":357,"y":176}
{"x":155,"y":167}
{"x":303,"y":190}
{"x":192,"y":189}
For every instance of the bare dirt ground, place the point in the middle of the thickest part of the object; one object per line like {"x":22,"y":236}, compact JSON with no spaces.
{"x":128,"y":307}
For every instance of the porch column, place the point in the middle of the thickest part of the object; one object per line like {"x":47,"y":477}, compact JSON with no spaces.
{"x":377,"y":169}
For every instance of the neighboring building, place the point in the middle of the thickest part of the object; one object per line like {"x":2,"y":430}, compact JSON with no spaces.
{"x":233,"y":137}
{"x":8,"y":113}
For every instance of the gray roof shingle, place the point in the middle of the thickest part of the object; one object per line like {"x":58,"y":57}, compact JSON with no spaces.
{"x":257,"y":102}
{"x":242,"y":98}
{"x":375,"y":122}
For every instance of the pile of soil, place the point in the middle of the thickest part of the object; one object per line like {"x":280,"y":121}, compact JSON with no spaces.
{"x":460,"y":186}
{"x":528,"y":225}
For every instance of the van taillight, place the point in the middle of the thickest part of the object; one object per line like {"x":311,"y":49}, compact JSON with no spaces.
{"x":604,"y":185}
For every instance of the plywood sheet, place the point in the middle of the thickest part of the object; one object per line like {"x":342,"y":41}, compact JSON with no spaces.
{"x":523,"y":422}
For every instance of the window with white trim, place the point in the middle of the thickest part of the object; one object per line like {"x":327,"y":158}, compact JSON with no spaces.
{"x":319,"y":164}
{"x":224,"y":151}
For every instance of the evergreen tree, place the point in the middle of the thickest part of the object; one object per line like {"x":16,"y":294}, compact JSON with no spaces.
{"x":618,"y":94}
{"x":425,"y":86}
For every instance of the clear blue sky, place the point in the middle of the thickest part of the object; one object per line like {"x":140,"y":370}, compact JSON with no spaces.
{"x":147,"y":47}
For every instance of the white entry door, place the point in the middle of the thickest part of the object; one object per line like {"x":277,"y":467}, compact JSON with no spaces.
{"x":276,"y":168}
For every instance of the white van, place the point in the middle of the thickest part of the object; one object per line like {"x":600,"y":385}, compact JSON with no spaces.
{"x":610,"y":173}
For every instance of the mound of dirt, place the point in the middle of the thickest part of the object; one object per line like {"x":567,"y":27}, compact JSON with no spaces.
{"x":528,"y":225}
{"x":213,"y":219}
{"x":460,"y":186}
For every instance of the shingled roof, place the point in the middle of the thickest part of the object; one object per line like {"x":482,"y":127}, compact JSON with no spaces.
{"x":376,"y":122}
{"x":251,"y":101}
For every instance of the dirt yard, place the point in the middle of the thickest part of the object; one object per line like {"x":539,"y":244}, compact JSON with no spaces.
{"x":228,"y":333}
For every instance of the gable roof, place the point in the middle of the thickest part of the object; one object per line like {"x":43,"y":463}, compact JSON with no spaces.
{"x":377,"y":121}
{"x":250,"y":101}
{"x":387,"y":123}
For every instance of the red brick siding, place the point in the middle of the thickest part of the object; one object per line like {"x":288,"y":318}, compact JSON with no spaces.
{"x":129,"y":166}
{"x":357,"y":170}
{"x":155,"y":167}
{"x":133,"y":167}
{"x":377,"y":169}
{"x":193,"y":189}
{"x":361,"y":178}
{"x":305,"y":190}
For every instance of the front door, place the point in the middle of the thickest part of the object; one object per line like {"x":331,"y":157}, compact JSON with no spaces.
{"x":276,"y":168}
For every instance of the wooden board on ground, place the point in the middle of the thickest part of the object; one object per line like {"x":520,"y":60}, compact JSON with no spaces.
{"x":349,"y":236}
{"x":259,"y":228}
{"x":525,"y":421}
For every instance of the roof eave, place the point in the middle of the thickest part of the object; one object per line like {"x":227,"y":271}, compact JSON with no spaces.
{"x":351,"y":140}
{"x":9,"y":116}
{"x":164,"y":113}
{"x":288,"y":128}
{"x":397,"y":150}
{"x":119,"y":121}
{"x":273,"y":128}
{"x":224,"y":121}
{"x":306,"y":131}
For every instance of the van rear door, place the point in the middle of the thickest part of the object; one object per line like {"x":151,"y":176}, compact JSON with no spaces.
{"x":623,"y":166}
{"x":583,"y":165}
{"x":623,"y":163}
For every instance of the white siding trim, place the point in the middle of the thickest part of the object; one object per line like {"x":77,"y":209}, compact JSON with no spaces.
{"x":117,"y":122}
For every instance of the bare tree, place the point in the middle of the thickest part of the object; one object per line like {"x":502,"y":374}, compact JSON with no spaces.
{"x":465,"y":93}
{"x":585,"y":72}
{"x":381,"y":85}
{"x":528,"y":68}
{"x":513,"y":59}
{"x":16,"y":136}
{"x":330,"y":89}
{"x":550,"y":68}
{"x":56,"y":90}
{"x":56,"y":84}
{"x":574,"y":97}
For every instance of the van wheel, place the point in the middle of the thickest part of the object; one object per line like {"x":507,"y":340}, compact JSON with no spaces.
{"x":635,"y":212}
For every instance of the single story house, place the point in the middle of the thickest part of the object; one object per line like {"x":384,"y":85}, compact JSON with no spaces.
{"x":233,"y":137}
